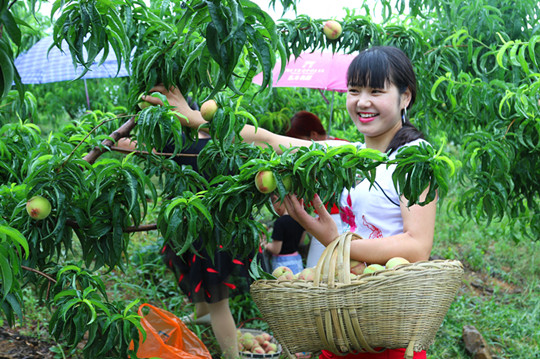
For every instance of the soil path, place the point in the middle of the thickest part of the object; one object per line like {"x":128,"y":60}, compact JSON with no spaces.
{"x":16,"y":346}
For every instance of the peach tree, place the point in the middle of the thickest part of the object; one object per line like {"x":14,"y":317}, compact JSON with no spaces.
{"x":478,"y":99}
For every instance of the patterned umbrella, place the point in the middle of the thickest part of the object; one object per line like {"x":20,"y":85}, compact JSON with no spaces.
{"x":40,"y":65}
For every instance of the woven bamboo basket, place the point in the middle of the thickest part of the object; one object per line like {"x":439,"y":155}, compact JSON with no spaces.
{"x":392,"y":308}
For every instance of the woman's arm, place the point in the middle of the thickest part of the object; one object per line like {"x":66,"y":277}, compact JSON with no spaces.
{"x":413,"y":244}
{"x":192,"y":118}
{"x":274,"y":247}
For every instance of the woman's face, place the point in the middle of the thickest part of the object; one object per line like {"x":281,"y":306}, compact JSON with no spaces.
{"x":376,"y":112}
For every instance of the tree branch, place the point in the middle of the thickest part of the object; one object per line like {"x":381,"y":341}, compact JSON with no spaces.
{"x":40,"y":273}
{"x":130,"y":229}
{"x":122,"y":132}
{"x":145,"y":153}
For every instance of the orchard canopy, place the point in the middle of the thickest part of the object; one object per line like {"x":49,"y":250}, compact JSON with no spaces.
{"x":478,"y":103}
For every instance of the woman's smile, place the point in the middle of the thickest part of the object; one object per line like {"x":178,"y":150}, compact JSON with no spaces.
{"x":366,"y":117}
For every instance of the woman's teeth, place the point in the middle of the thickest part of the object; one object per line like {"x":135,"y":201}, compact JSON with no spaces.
{"x":367,"y":115}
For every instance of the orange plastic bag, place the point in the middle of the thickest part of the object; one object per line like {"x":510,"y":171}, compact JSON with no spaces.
{"x":167,"y":337}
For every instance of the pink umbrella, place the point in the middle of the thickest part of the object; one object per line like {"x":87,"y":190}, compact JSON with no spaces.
{"x":322,"y":71}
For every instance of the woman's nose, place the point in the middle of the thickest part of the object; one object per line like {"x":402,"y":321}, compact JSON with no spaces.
{"x":363,"y":101}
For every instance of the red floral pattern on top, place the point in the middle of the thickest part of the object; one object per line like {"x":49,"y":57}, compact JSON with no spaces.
{"x":375,"y":231}
{"x":347,"y":214}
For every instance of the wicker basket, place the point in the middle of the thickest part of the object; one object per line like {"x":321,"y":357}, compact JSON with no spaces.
{"x":393,"y":308}
{"x":260,"y":356}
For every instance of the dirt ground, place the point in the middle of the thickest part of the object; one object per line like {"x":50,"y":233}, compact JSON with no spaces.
{"x":16,"y":346}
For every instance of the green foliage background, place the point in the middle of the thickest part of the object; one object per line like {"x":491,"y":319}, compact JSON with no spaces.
{"x":478,"y":70}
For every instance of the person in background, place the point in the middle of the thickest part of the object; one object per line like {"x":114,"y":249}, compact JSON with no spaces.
{"x":205,"y":282}
{"x":287,"y":235}
{"x":207,"y":279}
{"x":308,"y":126}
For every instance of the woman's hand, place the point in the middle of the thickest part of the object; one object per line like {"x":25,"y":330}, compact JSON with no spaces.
{"x":187,"y":116}
{"x":322,"y":227}
{"x":173,"y":94}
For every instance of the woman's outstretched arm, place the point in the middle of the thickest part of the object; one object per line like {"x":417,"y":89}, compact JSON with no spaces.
{"x":193,"y":118}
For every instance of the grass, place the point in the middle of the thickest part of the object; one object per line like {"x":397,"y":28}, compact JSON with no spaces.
{"x":499,"y":296}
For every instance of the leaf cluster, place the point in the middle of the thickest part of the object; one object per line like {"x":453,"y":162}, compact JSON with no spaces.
{"x":83,"y":309}
{"x":221,"y":213}
{"x":13,"y":249}
{"x":202,"y":45}
{"x":91,"y":204}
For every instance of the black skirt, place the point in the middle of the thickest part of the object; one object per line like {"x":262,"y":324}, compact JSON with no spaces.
{"x":201,"y":277}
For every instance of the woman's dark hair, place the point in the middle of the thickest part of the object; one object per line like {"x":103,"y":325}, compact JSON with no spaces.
{"x":376,"y":66}
{"x":302,"y":123}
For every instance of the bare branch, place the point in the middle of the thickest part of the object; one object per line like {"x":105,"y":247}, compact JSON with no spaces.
{"x":40,"y":273}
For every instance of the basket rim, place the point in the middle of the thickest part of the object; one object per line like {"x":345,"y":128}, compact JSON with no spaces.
{"x":371,"y":278}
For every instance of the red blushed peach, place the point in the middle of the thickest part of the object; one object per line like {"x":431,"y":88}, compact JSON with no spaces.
{"x":357,"y":267}
{"x":38,"y":207}
{"x":265,"y":181}
{"x":332,"y":29}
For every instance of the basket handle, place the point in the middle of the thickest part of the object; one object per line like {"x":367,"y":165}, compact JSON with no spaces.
{"x":335,"y":261}
{"x":333,"y":264}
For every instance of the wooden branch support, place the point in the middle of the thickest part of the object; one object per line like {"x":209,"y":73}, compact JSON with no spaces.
{"x":143,"y":228}
{"x":122,"y":132}
{"x":51,"y":279}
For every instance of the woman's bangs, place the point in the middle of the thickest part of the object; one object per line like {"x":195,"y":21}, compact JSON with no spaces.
{"x":368,"y":69}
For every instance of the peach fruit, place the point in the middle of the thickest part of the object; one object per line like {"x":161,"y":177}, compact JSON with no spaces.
{"x":38,"y":207}
{"x":394,"y":262}
{"x":265,"y":181}
{"x":209,"y":109}
{"x":332,"y":29}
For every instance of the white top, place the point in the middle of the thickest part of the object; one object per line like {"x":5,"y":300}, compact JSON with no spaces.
{"x":373,"y":212}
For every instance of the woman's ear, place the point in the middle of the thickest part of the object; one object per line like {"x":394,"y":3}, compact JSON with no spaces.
{"x":406,"y":98}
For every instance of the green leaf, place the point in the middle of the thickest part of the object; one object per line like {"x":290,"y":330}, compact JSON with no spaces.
{"x":6,"y":274}
{"x":11,"y":27}
{"x":17,"y":237}
{"x":502,"y":52}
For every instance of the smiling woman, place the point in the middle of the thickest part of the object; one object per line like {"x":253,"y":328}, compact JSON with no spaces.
{"x":382,"y":85}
